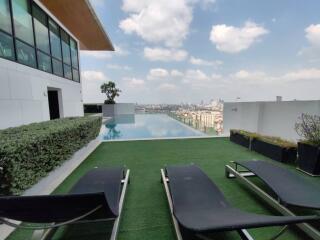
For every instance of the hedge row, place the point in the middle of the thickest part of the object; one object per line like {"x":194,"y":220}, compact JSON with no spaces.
{"x":30,"y":152}
{"x":269,"y":139}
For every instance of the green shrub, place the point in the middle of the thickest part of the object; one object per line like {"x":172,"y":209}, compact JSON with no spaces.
{"x":269,"y":139}
{"x":244,"y":133}
{"x":308,"y":127}
{"x":30,"y":152}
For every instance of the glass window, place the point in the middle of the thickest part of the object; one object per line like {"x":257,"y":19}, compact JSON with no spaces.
{"x":67,"y":71}
{"x":74,"y":53}
{"x":41,"y":29}
{"x":23,"y":20}
{"x":57,"y":67}
{"x":65,"y":47}
{"x":6,"y":46}
{"x":25,"y":54}
{"x":55,"y":40}
{"x":5,"y":18}
{"x":44,"y":62}
{"x":75,"y":74}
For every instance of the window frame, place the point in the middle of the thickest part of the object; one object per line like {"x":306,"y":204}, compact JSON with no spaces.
{"x":31,"y":4}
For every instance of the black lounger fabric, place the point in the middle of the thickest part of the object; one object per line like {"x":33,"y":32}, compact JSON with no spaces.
{"x":97,"y":187}
{"x":291,"y":188}
{"x":200,"y":206}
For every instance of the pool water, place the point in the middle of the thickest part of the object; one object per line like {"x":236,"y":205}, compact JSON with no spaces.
{"x":146,"y":126}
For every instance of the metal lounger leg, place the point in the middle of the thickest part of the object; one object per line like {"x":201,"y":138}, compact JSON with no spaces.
{"x":305,"y":227}
{"x":115,"y":228}
{"x":175,"y":223}
{"x":245,"y":235}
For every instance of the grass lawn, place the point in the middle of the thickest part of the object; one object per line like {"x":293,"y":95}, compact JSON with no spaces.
{"x":146,"y":213}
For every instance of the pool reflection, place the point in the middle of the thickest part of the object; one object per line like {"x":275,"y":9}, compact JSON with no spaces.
{"x":144,"y":126}
{"x":111,"y":125}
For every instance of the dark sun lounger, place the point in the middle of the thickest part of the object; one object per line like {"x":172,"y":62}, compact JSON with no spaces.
{"x":199,"y":207}
{"x":97,"y":196}
{"x":288,"y":188}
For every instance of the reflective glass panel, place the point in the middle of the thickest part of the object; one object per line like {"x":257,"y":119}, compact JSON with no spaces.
{"x":67,"y":71}
{"x":74,"y":53}
{"x":23,"y":20}
{"x":41,"y":29}
{"x":65,"y":47}
{"x":6,"y":46}
{"x":5,"y":18}
{"x":55,"y":40}
{"x":57,"y":67}
{"x":25,"y":54}
{"x":76,"y":75}
{"x":44,"y":62}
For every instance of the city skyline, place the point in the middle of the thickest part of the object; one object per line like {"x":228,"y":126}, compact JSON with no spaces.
{"x":214,"y":49}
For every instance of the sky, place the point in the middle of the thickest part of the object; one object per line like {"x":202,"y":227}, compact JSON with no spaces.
{"x":188,"y":51}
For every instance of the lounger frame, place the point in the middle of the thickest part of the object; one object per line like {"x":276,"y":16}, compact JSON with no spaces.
{"x":244,"y":234}
{"x":48,"y":231}
{"x":242,"y":175}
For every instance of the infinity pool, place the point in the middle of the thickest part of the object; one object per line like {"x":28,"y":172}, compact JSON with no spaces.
{"x":146,"y":126}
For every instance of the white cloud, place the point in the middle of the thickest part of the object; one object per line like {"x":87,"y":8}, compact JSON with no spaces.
{"x":303,"y":74}
{"x":232,"y":39}
{"x":165,"y":54}
{"x":91,"y":82}
{"x":258,"y":77}
{"x":176,"y":73}
{"x":93,"y":76}
{"x":155,"y":21}
{"x":313,"y":34}
{"x":216,"y":76}
{"x":198,"y":79}
{"x":202,"y":62}
{"x":118,"y":51}
{"x":157,"y":73}
{"x":253,"y":75}
{"x":196,"y":75}
{"x":312,"y":51}
{"x":118,"y":67}
{"x":167,"y":87}
{"x":135,"y":82}
{"x":197,"y":85}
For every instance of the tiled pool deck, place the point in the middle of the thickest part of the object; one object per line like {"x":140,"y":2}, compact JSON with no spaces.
{"x":146,"y":214}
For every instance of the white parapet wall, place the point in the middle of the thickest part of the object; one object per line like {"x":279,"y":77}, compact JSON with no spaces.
{"x":269,"y":118}
{"x":110,"y":110}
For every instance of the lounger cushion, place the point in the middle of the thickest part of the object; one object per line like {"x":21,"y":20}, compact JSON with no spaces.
{"x":291,"y":188}
{"x":97,"y":187}
{"x":198,"y":204}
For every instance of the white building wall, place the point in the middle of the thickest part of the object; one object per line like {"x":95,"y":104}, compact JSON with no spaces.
{"x":23,"y":91}
{"x":23,"y":95}
{"x":269,"y":118}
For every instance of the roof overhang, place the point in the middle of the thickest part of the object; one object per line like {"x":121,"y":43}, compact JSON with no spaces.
{"x":80,"y":19}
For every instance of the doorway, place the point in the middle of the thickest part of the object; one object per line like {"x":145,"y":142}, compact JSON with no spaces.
{"x":53,"y":97}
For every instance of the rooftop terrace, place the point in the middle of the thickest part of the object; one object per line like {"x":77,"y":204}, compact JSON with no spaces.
{"x":146,"y":213}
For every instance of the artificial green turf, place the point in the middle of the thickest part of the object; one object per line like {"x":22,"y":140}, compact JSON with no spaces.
{"x":146,"y":213}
